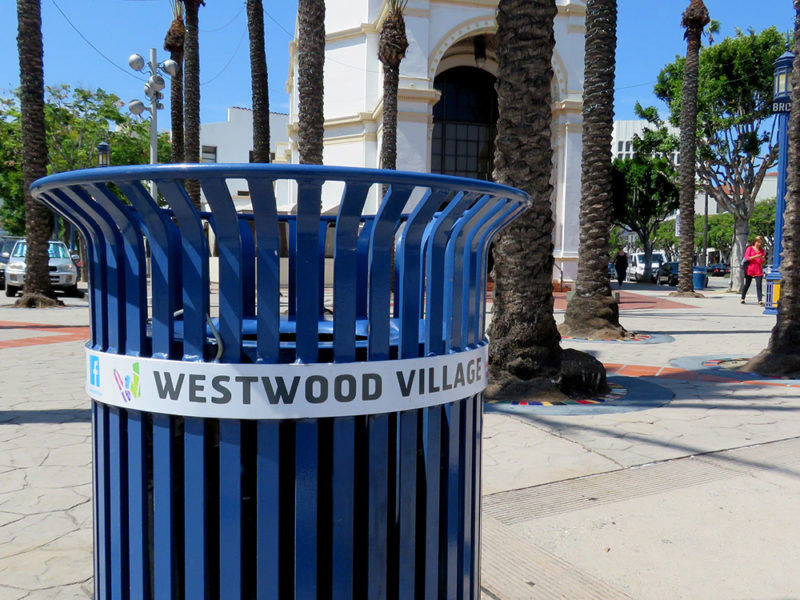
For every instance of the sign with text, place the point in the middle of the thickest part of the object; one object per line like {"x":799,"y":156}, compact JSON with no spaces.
{"x":283,"y":391}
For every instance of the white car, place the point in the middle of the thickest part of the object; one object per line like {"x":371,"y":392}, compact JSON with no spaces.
{"x":63,"y":271}
{"x":636,"y":266}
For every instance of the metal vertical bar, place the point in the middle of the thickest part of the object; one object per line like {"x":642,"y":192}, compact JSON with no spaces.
{"x":194,"y":269}
{"x":407,"y":509}
{"x":410,"y":272}
{"x":268,"y":559}
{"x":378,"y":492}
{"x":108,"y":238}
{"x":139,"y":526}
{"x":102,"y":580}
{"x":164,"y":539}
{"x":451,"y":501}
{"x":466,"y":483}
{"x":307,"y":268}
{"x":165,"y":265}
{"x":118,"y":503}
{"x":345,"y":272}
{"x":343,"y":479}
{"x":134,"y":274}
{"x":306,"y":499}
{"x":432,"y":448}
{"x":230,"y":509}
{"x":380,"y":288}
{"x":231,"y":267}
{"x":268,"y":276}
{"x":195,"y":506}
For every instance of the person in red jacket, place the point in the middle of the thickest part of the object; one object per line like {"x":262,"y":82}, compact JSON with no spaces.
{"x":755,"y":257}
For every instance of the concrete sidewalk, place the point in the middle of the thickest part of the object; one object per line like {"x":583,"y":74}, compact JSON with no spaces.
{"x":683,"y":483}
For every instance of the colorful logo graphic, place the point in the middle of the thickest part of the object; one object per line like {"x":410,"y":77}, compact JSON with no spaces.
{"x":129,"y":386}
{"x":94,"y":371}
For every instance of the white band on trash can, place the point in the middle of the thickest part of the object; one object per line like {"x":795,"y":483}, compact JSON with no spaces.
{"x":283,"y":391}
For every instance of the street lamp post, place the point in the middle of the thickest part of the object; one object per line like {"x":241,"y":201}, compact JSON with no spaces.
{"x":781,"y":105}
{"x":103,"y":154}
{"x":152,"y":89}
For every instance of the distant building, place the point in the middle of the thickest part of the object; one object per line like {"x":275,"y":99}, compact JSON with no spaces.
{"x":622,"y":147}
{"x":231,"y":141}
{"x":447,"y":104}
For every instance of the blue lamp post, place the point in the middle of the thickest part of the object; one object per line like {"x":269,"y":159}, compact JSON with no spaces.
{"x":781,"y":105}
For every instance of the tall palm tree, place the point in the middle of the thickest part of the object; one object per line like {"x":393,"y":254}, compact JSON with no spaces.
{"x":694,"y":20}
{"x":191,"y":93}
{"x":173,"y":43}
{"x":310,"y":67}
{"x":38,"y":218}
{"x":593,"y":312}
{"x":391,"y":50}
{"x":259,"y":81}
{"x":782,"y":355}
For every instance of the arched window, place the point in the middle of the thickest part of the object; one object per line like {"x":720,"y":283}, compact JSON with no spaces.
{"x":464,"y":123}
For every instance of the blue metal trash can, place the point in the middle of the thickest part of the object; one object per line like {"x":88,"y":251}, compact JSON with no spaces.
{"x":699,"y":278}
{"x":320,"y":439}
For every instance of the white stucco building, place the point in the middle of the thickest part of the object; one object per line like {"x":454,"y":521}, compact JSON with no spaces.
{"x":446,"y":100}
{"x":231,"y":141}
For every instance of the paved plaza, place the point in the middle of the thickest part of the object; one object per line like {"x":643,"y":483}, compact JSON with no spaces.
{"x":682,"y":483}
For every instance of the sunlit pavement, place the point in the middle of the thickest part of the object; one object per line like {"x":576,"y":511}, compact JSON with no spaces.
{"x":683,"y":483}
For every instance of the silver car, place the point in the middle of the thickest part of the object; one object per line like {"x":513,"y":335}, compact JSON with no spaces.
{"x":63,"y":271}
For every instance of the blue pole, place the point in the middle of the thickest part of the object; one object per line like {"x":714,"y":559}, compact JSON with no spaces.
{"x":781,"y":105}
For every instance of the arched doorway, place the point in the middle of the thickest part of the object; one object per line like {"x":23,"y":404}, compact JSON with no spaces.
{"x":464,"y":123}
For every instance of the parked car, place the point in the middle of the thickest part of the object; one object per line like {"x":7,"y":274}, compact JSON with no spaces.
{"x":63,"y":270}
{"x":720,"y":269}
{"x":667,"y":274}
{"x":636,"y":266}
{"x":6,"y":246}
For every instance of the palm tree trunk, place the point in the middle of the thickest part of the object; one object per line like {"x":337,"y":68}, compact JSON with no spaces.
{"x":694,"y":19}
{"x":310,"y":66}
{"x":259,"y":81}
{"x":593,"y":312}
{"x":192,"y":95}
{"x":38,"y":218}
{"x":176,"y":110}
{"x":524,"y":339}
{"x":391,"y":50}
{"x":174,"y":44}
{"x":782,"y":355}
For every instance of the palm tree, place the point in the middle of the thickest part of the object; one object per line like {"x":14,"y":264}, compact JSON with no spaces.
{"x":525,"y":355}
{"x":259,"y":81}
{"x":694,"y":20}
{"x":192,"y":94}
{"x":391,"y":50}
{"x":310,"y":64}
{"x":782,"y":355}
{"x":38,"y":218}
{"x":593,"y":312}
{"x":173,"y":43}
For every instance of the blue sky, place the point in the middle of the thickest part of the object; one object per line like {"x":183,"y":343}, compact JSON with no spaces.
{"x":87,"y":44}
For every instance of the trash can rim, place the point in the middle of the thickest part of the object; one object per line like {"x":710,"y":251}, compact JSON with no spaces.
{"x":277,"y":171}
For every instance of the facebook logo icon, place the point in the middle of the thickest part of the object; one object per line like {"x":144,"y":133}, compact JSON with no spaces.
{"x":94,"y":371}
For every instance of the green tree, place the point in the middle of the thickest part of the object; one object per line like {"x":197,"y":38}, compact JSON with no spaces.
{"x":666,"y":240}
{"x":644,"y":194}
{"x":38,"y":218}
{"x":762,"y":222}
{"x":75,"y":122}
{"x":258,"y":81}
{"x":782,"y":354}
{"x":173,"y":43}
{"x":593,"y":311}
{"x":735,"y":150}
{"x":525,"y":354}
{"x":720,"y":234}
{"x":391,"y":50}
